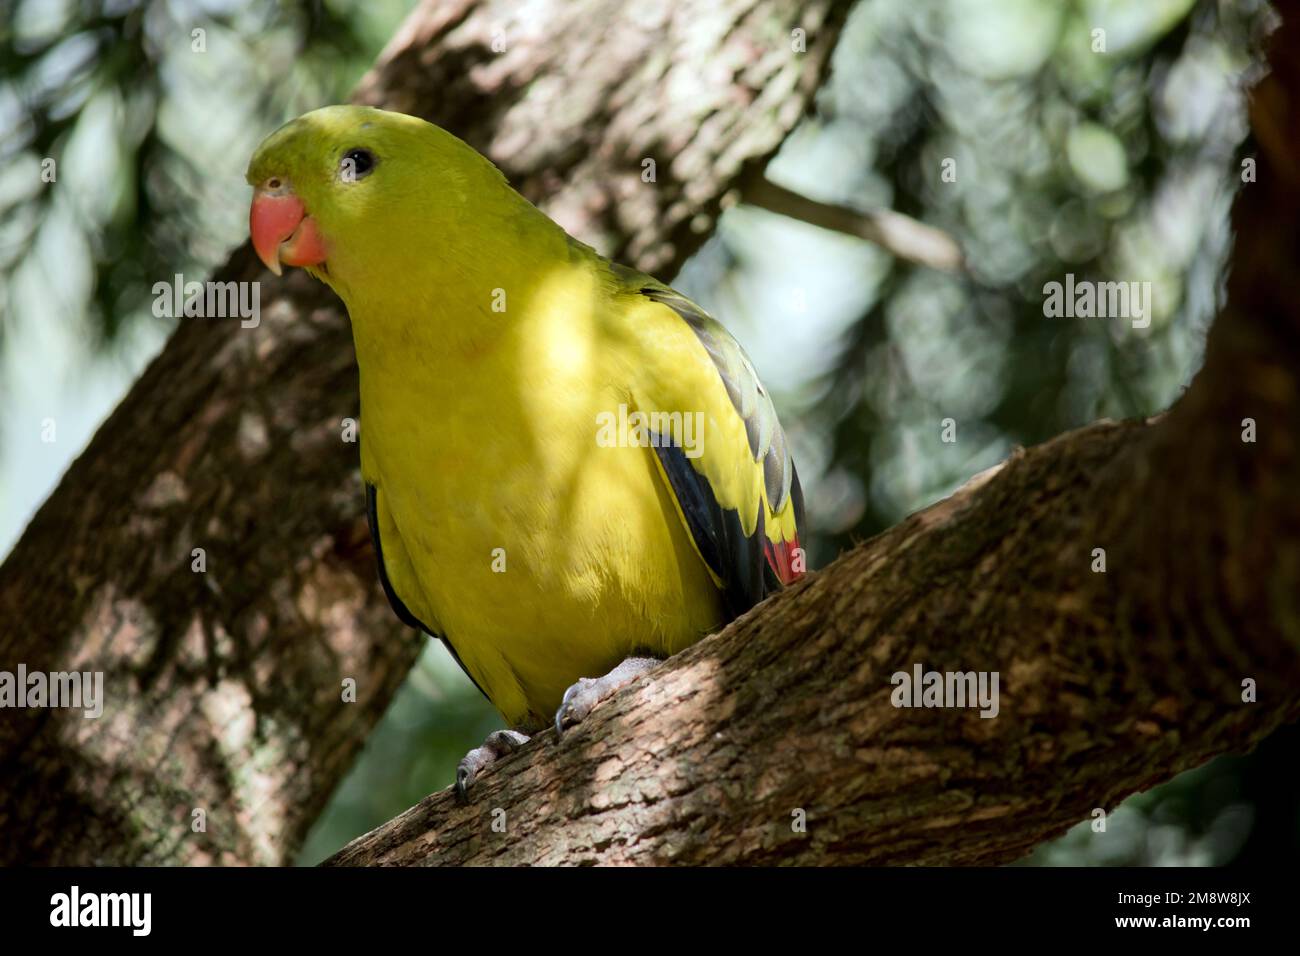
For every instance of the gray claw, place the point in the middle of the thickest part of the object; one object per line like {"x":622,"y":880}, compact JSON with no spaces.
{"x":581,"y":698}
{"x":499,"y":744}
{"x":464,"y":777}
{"x":570,"y":709}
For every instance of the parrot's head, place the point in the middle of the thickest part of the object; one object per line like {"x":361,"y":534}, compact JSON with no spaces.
{"x":359,"y":195}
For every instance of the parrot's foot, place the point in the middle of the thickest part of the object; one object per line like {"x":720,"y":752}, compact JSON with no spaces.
{"x":581,"y":698}
{"x":498,"y":744}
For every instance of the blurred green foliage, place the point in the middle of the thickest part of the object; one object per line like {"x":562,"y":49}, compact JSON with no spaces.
{"x":1111,"y":165}
{"x":137,"y":103}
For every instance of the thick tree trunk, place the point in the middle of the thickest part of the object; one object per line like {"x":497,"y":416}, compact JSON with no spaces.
{"x":1110,"y":681}
{"x":225,"y":686}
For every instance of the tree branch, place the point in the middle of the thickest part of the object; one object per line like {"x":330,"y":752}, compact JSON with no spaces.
{"x":899,"y":235}
{"x":1110,"y":681}
{"x":707,"y":759}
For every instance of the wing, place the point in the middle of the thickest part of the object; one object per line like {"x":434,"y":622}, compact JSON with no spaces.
{"x":739,"y":495}
{"x":378,"y":521}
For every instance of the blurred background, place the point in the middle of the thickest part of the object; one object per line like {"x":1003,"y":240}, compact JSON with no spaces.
{"x":1114,"y":166}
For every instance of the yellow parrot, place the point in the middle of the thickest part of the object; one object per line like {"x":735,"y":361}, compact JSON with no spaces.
{"x":572,"y":471}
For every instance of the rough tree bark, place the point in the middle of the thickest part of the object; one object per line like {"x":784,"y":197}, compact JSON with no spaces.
{"x":1110,"y":682}
{"x":224,"y":687}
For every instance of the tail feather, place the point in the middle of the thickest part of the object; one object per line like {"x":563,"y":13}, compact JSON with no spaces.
{"x":785,"y":558}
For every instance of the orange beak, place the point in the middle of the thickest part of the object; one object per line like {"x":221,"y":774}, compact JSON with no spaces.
{"x":281,"y":230}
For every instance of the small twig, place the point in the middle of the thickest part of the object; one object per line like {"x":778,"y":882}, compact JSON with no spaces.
{"x":900,"y":235}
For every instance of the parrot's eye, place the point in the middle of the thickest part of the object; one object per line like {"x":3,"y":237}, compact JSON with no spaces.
{"x":356,"y":164}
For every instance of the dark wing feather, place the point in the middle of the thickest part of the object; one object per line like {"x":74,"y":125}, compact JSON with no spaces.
{"x":749,"y":566}
{"x":735,"y":558}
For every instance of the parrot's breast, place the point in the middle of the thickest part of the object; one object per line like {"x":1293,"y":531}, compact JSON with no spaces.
{"x":541,"y":552}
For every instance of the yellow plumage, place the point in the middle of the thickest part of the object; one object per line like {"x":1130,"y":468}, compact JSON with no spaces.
{"x":491,"y":347}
